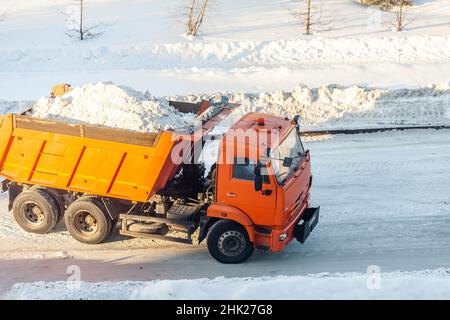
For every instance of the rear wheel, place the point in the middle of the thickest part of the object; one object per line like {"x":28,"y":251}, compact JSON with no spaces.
{"x":228,"y":242}
{"x":88,"y":221}
{"x":36,"y":211}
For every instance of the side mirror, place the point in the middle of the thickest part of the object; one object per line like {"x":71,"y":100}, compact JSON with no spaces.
{"x":297,"y":120}
{"x":287,"y":162}
{"x":258,"y":178}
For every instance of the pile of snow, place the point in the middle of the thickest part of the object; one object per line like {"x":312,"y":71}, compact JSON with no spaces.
{"x":338,"y":107}
{"x":429,"y":284}
{"x":112,"y":106}
{"x":322,"y":108}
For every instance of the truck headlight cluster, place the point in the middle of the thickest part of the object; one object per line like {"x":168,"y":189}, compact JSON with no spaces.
{"x":283,"y":236}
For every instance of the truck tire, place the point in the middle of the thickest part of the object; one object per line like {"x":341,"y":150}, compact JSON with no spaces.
{"x":36,"y":211}
{"x":56,"y":197}
{"x":87,"y":221}
{"x":228,"y":242}
{"x":59,"y":201}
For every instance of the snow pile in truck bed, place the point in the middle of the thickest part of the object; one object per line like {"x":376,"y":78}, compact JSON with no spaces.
{"x":427,"y":284}
{"x":112,"y":106}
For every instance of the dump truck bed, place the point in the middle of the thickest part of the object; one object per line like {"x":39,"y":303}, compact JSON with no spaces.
{"x":90,"y":159}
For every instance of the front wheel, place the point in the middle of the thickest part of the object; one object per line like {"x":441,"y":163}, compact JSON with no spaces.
{"x":228,"y":242}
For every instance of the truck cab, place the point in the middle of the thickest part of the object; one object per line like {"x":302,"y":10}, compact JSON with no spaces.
{"x":263,"y":181}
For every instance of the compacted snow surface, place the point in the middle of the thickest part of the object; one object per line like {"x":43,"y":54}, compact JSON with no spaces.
{"x":385,"y":201}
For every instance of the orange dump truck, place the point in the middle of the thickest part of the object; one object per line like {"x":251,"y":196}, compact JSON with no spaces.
{"x":256,"y":195}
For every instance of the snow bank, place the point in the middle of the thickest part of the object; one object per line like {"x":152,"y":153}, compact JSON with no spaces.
{"x":317,"y":51}
{"x":112,"y":106}
{"x":338,"y":107}
{"x":429,"y":284}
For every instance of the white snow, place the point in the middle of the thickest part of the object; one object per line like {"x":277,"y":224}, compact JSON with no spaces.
{"x":317,"y":51}
{"x":427,"y":284}
{"x":326,"y":107}
{"x":14,"y":106}
{"x":255,"y":45}
{"x":339,"y":107}
{"x":113,"y":106}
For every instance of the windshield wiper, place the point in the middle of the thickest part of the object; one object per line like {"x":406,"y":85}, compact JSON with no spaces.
{"x":299,"y":155}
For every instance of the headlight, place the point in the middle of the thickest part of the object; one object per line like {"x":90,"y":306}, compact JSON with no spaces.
{"x":283,"y":236}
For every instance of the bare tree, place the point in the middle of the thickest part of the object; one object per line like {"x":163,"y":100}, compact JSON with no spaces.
{"x":313,"y":17}
{"x":400,"y":12}
{"x":398,"y":9}
{"x":196,"y":13}
{"x":306,"y":15}
{"x":75,"y":22}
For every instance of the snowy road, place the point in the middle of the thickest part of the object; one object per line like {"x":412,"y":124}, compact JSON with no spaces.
{"x":385,"y":200}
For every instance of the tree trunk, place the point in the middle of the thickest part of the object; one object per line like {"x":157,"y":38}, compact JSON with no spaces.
{"x":191,"y":18}
{"x":308,"y":18}
{"x":81,"y":20}
{"x":400,"y":17}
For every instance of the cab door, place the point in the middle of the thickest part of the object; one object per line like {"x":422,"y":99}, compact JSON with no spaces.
{"x":236,"y":188}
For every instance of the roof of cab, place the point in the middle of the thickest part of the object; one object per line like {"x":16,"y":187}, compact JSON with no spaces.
{"x":264,"y":124}
{"x":262,"y":121}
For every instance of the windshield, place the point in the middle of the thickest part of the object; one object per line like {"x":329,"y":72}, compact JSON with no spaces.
{"x":291,"y":147}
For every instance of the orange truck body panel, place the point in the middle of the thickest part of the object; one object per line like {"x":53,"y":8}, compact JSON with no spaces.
{"x":231,"y":213}
{"x":52,"y":154}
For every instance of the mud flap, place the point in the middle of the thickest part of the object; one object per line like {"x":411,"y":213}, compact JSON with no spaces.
{"x":307,"y":223}
{"x":4,"y":185}
{"x":13,"y":191}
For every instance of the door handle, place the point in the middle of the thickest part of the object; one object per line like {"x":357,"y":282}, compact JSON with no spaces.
{"x":231,"y":195}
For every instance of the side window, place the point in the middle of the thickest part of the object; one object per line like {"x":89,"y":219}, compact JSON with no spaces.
{"x":243,"y":169}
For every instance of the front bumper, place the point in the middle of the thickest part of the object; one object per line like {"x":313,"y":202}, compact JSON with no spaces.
{"x":298,"y":229}
{"x":306,"y":224}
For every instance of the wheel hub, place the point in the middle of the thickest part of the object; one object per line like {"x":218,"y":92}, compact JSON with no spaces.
{"x":231,"y":243}
{"x":90,"y":220}
{"x":86,"y":222}
{"x":34,"y":213}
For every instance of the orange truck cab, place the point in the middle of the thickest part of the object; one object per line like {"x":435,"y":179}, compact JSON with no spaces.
{"x":263,"y":181}
{"x":256,"y":195}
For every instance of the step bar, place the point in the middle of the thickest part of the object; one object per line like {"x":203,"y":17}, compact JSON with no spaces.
{"x":154,"y":236}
